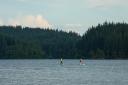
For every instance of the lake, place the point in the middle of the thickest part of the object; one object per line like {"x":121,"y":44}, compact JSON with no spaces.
{"x":50,"y":72}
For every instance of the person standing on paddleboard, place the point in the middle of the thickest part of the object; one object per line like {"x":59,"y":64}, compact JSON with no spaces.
{"x":81,"y":61}
{"x":61,"y":61}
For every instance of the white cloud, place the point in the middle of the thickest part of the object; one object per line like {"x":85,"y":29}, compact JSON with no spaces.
{"x":13,"y":22}
{"x":106,"y":3}
{"x":29,"y":20}
{"x":41,"y":22}
{"x":1,"y":22}
{"x":75,"y":27}
{"x":78,"y":28}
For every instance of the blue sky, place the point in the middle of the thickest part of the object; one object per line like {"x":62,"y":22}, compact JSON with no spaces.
{"x":75,"y":15}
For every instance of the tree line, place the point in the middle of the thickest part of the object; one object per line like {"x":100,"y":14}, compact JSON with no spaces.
{"x":104,"y":41}
{"x":25,"y":43}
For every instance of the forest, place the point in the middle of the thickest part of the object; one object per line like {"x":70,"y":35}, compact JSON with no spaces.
{"x":104,"y":41}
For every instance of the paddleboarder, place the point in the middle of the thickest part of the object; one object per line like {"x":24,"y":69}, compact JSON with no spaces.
{"x":61,"y":61}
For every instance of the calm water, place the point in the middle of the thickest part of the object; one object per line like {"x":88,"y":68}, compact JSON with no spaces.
{"x":49,"y":72}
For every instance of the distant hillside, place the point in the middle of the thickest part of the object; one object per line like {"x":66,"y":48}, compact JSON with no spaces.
{"x":17,"y":42}
{"x":105,"y":41}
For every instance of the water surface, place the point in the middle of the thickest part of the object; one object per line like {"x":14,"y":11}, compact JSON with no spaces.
{"x":50,"y":72}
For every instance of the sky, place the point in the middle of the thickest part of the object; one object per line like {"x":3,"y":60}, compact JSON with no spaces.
{"x":67,"y":15}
